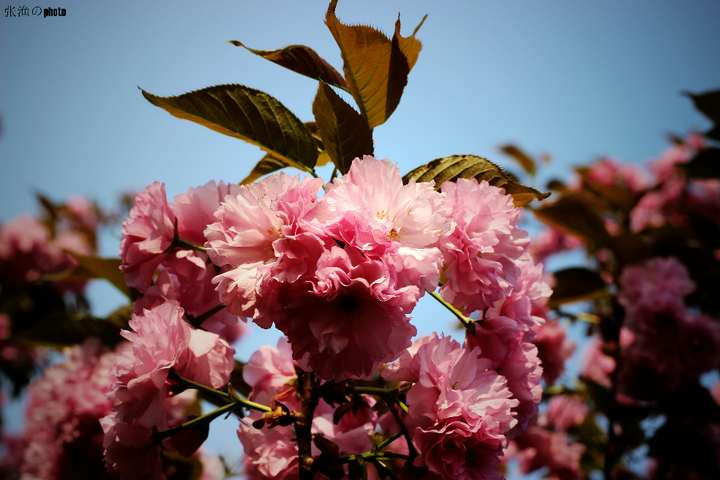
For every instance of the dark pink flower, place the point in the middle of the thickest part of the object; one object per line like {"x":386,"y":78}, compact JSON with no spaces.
{"x":347,"y":320}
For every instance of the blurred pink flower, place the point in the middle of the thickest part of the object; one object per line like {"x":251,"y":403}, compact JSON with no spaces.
{"x":553,"y":350}
{"x":564,"y":411}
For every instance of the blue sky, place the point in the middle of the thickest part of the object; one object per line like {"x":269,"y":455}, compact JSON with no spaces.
{"x":577,"y":80}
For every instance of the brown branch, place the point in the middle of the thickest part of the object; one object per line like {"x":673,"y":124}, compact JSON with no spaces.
{"x":303,"y":424}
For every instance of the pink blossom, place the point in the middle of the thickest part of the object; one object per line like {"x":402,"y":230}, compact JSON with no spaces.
{"x":244,"y":236}
{"x":84,"y":211}
{"x":63,"y":436}
{"x":538,"y":448}
{"x":186,"y":276}
{"x":371,"y":209}
{"x":347,"y":320}
{"x":130,"y":450}
{"x":459,"y":410}
{"x":147,"y":235}
{"x":162,"y":340}
{"x":27,"y":252}
{"x":596,"y":365}
{"x":655,"y":285}
{"x":609,"y":171}
{"x":564,"y":411}
{"x":481,"y":252}
{"x":195,"y":209}
{"x":551,"y":241}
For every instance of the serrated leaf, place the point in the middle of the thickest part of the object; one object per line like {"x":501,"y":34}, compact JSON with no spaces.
{"x":247,"y":114}
{"x":705,"y":164}
{"x":344,"y":133}
{"x":449,"y":169}
{"x":267,"y":164}
{"x":90,"y":267}
{"x":300,"y":59}
{"x":708,"y":104}
{"x":576,"y":284}
{"x":575,"y":215}
{"x":375,"y":66}
{"x":522,"y":158}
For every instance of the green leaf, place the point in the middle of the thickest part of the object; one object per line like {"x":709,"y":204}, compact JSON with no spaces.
{"x":60,"y":330}
{"x":375,"y":66}
{"x":248,"y":114}
{"x":344,"y":133}
{"x":302,"y":60}
{"x":522,"y":158}
{"x":574,"y":214}
{"x":575,"y":285}
{"x":267,"y":164}
{"x":449,"y":169}
{"x":90,"y":268}
{"x":705,"y":164}
{"x":709,"y":105}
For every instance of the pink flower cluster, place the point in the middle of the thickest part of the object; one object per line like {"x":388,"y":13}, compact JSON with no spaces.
{"x":674,"y":195}
{"x":337,"y":276}
{"x":669,"y":342}
{"x":162,"y":270}
{"x":143,"y":396}
{"x":28,"y":251}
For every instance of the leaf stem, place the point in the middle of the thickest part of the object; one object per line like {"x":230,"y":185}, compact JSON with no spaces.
{"x":181,"y":242}
{"x":389,"y":440}
{"x":208,"y":417}
{"x":463,"y":319}
{"x":212,"y":391}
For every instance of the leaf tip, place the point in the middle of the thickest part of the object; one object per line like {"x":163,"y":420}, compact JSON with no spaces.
{"x":236,"y":43}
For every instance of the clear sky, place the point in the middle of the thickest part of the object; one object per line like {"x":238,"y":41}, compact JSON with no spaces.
{"x":576,"y":79}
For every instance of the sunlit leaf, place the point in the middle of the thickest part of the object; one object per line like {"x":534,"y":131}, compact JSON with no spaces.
{"x":709,"y":105}
{"x":576,"y":284}
{"x":248,"y":114}
{"x":375,"y":66}
{"x":323,"y":157}
{"x":267,"y":164}
{"x":705,"y":164}
{"x":522,"y":158}
{"x":449,"y":169}
{"x":90,"y":268}
{"x":300,"y":59}
{"x":573,"y":214}
{"x":344,"y":133}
